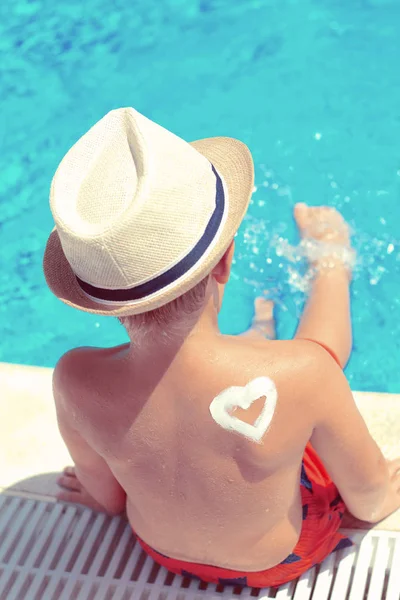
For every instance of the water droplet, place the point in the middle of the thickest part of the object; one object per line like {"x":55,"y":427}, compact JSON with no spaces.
{"x":390,"y":248}
{"x":377,"y":275}
{"x":317,"y":136}
{"x":285,"y":191}
{"x":97,"y":324}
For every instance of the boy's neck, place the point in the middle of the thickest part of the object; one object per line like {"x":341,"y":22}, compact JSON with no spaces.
{"x":170,"y":339}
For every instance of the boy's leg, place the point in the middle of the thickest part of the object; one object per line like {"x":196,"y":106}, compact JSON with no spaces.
{"x":327,"y":318}
{"x":263,"y":324}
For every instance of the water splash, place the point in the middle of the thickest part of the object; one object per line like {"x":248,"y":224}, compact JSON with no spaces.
{"x":273,"y":263}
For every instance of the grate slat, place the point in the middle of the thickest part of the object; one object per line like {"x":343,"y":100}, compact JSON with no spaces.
{"x":361,"y":570}
{"x":82,"y":556}
{"x":59,"y":552}
{"x":379,"y":569}
{"x":127,"y":573}
{"x":7,"y":510}
{"x":159,"y":582}
{"x":325,"y":578}
{"x":145,"y":572}
{"x":20,"y":549}
{"x":304,"y":586}
{"x":16,"y":526}
{"x":15,"y":593}
{"x":58,"y":537}
{"x":343,"y":574}
{"x":285,"y":592}
{"x":70,"y":544}
{"x":393,"y":590}
{"x":98,"y":559}
{"x":104,"y":587}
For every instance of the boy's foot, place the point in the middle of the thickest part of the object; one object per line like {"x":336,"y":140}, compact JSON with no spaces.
{"x":322,"y":224}
{"x":325,"y":237}
{"x":263,"y":324}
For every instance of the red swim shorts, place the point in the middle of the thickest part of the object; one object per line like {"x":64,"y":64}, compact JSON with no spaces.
{"x":323,"y":510}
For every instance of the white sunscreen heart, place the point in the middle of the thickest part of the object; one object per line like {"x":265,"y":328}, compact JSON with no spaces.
{"x":222,"y":407}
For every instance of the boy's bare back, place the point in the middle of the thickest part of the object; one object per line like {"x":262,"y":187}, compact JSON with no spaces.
{"x":196,"y":492}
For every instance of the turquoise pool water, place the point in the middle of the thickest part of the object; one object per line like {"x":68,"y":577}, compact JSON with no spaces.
{"x":311,"y":86}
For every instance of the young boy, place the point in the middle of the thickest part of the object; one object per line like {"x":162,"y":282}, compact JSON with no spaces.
{"x":233,"y":457}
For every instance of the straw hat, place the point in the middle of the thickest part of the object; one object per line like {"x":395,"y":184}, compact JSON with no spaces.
{"x":141,"y":215}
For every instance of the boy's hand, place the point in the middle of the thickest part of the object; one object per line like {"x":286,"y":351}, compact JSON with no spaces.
{"x":390,"y":505}
{"x":325,"y":235}
{"x":392,"y":501}
{"x":73,"y":491}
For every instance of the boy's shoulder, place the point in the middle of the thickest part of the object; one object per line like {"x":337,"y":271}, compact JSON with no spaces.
{"x":297,"y":355}
{"x":85,"y":363}
{"x":300,"y":368}
{"x":306,"y":362}
{"x":81,"y":356}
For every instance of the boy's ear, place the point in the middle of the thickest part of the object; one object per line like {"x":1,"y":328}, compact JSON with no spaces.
{"x":222,"y":270}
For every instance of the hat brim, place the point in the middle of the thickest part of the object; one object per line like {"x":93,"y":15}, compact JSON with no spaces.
{"x":233,"y":161}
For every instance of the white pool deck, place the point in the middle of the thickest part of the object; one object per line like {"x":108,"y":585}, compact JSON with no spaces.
{"x":32,"y":455}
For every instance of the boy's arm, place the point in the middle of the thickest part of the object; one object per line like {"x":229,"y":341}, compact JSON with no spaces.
{"x":91,"y":469}
{"x":352,"y":458}
{"x":326,"y":318}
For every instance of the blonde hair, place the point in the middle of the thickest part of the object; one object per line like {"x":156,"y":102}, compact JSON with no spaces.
{"x":169,"y":318}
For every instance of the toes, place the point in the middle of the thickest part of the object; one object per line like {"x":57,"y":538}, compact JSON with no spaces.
{"x":69,"y":471}
{"x":66,"y":497}
{"x":69,"y":483}
{"x":260,"y":303}
{"x":300,"y":209}
{"x":301,"y":214}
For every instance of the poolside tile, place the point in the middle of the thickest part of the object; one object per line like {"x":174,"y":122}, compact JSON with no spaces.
{"x":31,"y":448}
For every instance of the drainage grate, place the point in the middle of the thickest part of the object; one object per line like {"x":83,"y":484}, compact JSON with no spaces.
{"x":57,"y":552}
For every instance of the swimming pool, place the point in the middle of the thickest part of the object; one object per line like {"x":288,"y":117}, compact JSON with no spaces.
{"x":313,"y":89}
